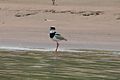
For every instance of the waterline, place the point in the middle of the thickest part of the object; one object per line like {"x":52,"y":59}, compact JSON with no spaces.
{"x":36,"y":49}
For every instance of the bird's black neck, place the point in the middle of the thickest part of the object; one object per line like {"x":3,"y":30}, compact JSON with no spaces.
{"x":52,"y":35}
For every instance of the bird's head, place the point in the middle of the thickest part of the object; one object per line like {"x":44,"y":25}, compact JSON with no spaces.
{"x":52,"y":31}
{"x":52,"y":28}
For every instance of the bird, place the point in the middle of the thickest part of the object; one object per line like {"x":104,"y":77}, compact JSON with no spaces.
{"x":56,"y":36}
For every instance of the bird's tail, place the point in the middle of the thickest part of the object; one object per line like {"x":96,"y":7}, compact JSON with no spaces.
{"x":65,"y":39}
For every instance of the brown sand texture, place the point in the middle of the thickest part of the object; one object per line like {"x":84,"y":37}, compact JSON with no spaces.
{"x":87,"y":24}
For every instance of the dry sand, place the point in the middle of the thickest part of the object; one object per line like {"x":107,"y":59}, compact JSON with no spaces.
{"x":87,"y":24}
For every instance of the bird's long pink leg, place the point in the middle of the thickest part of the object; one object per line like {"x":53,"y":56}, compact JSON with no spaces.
{"x":57,"y":47}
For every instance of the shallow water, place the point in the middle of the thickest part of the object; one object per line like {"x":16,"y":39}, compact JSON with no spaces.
{"x":36,"y":65}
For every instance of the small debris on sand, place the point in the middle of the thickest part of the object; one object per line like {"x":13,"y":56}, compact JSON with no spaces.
{"x":118,"y":18}
{"x":25,"y":14}
{"x":83,"y":13}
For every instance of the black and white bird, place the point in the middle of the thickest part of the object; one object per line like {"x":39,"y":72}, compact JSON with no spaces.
{"x":56,"y":36}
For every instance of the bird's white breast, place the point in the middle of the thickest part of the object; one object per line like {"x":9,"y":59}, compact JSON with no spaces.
{"x":52,"y":31}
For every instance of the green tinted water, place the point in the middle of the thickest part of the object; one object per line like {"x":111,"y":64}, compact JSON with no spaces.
{"x":91,"y":65}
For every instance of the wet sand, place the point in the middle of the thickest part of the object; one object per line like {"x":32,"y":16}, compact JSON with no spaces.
{"x":26,"y":24}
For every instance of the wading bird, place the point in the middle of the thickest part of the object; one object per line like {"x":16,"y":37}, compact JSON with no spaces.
{"x":55,"y":36}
